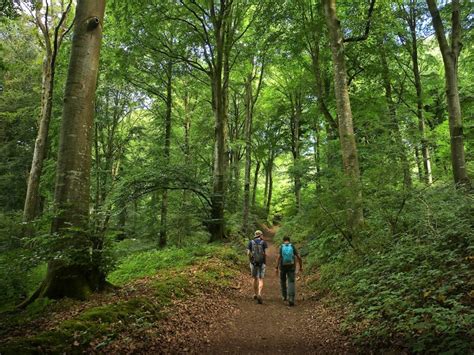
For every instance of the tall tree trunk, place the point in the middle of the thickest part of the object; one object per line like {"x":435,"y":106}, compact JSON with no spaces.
{"x":167,"y":145}
{"x":77,"y":279}
{"x":187,"y":158}
{"x":255,"y":183}
{"x":394,"y":121}
{"x":220,"y":71}
{"x":296,"y":107}
{"x":52,"y":43}
{"x":412,"y":17}
{"x":248,"y":151}
{"x":218,"y":188}
{"x":418,"y":164}
{"x":450,"y":60}
{"x":31,"y":210}
{"x":313,"y":42}
{"x":346,"y":130}
{"x":235,"y":157}
{"x":317,"y":154}
{"x":269,"y":173}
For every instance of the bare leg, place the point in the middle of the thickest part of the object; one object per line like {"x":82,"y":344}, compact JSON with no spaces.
{"x":260,"y":286}
{"x":256,"y":286}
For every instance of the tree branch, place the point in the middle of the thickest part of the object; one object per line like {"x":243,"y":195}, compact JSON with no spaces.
{"x":367,"y":26}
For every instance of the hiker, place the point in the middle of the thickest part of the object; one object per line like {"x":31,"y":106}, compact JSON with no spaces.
{"x":256,"y":252}
{"x":286,"y":263}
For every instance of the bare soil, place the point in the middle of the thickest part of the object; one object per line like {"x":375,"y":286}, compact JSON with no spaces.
{"x":273,"y":327}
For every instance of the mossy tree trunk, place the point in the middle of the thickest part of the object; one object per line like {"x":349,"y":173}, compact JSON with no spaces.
{"x":221,"y":18}
{"x":77,"y":278}
{"x":450,"y":55}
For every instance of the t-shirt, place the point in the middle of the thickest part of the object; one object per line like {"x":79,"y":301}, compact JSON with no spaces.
{"x":288,"y":267}
{"x":264,"y":247}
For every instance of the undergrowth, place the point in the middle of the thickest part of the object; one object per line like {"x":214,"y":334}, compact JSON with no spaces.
{"x":408,"y":279}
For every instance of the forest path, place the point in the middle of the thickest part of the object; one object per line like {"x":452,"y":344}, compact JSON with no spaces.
{"x":274,"y":327}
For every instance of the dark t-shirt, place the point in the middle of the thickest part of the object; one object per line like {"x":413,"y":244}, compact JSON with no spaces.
{"x":288,"y":267}
{"x":264,"y":247}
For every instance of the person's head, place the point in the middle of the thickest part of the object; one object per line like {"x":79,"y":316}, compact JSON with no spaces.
{"x":286,"y":239}
{"x":258,"y":234}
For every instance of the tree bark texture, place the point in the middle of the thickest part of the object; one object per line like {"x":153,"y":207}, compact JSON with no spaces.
{"x":450,"y":54}
{"x":74,"y":158}
{"x":52,"y":43}
{"x":221,"y":18}
{"x":31,"y":209}
{"x":346,"y":130}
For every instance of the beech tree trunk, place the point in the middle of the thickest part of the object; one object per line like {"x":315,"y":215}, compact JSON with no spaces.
{"x":317,"y":154}
{"x":296,"y":107}
{"x":255,"y":183}
{"x":248,"y":151}
{"x":31,"y":209}
{"x":77,"y":279}
{"x":346,"y":130}
{"x":450,"y":55}
{"x":411,"y":20}
{"x":185,"y":227}
{"x":52,"y":43}
{"x":269,"y":174}
{"x":313,"y":35}
{"x":235,"y":156}
{"x":221,"y":17}
{"x":167,"y":145}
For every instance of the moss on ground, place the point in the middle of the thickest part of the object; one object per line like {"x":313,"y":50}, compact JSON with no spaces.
{"x":104,"y":323}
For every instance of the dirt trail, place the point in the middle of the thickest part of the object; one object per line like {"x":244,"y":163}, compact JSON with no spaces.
{"x":273,"y":327}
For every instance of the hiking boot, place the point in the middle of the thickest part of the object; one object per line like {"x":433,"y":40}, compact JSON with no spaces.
{"x":259,"y":299}
{"x":291,"y":303}
{"x":255,"y":297}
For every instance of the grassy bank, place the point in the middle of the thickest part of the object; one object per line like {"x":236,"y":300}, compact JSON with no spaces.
{"x":149,"y":280}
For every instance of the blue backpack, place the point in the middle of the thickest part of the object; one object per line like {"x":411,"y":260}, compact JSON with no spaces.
{"x":287,"y":254}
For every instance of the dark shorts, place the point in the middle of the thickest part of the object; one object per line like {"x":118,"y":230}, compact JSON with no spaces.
{"x":257,"y":271}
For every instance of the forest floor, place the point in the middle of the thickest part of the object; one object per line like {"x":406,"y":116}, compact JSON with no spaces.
{"x":274,"y":327}
{"x":210,"y":319}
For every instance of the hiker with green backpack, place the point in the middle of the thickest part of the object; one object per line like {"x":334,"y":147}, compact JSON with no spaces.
{"x":286,"y":263}
{"x":256,"y":251}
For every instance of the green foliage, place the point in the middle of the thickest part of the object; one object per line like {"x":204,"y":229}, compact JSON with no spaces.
{"x":147,"y":263}
{"x":413,"y":287}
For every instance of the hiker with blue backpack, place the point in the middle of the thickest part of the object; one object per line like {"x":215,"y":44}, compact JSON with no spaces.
{"x":286,"y":263}
{"x":256,"y":251}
